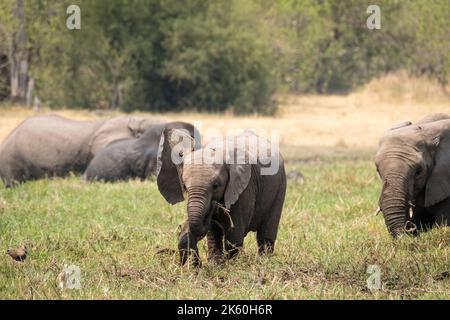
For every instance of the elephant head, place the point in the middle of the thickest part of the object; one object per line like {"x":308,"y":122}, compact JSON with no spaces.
{"x":207,"y":176}
{"x":413,"y":162}
{"x":137,"y":126}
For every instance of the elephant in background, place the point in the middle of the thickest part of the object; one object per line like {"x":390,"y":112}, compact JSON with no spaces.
{"x":433,"y":117}
{"x":226,"y":199}
{"x":413,"y":162}
{"x":51,"y":145}
{"x":136,"y":157}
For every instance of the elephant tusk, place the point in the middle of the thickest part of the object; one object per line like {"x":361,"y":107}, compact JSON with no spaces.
{"x":378,"y":211}
{"x":411,"y":212}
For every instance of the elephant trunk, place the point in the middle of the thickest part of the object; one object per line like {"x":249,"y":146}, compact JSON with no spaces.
{"x":394,"y":216}
{"x":198,"y":212}
{"x":187,"y":244}
{"x":394,"y":204}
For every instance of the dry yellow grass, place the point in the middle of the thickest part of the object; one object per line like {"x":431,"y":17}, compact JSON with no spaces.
{"x":353,"y":121}
{"x":326,"y":121}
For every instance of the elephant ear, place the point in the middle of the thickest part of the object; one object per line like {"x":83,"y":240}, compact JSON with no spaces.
{"x":438,"y":184}
{"x":239,"y":171}
{"x":135,"y":126}
{"x":173,"y":143}
{"x":138,"y":126}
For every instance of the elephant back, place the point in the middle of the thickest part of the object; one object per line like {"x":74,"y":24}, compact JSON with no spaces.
{"x":120,"y":128}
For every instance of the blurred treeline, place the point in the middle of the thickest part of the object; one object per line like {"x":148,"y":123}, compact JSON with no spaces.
{"x":212,"y":55}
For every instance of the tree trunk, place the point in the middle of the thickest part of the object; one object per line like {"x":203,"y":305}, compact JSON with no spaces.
{"x":30,"y":89}
{"x":18,"y":55}
{"x":116,"y":101}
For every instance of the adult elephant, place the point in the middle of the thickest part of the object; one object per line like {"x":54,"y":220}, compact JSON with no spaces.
{"x":51,"y":145}
{"x":413,"y":162}
{"x":234,"y":186}
{"x":137,"y":157}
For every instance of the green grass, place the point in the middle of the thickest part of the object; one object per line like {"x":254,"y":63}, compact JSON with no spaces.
{"x":327,"y":238}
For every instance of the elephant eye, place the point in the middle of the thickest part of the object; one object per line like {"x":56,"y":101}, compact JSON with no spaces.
{"x":418,"y":172}
{"x":180,"y":154}
{"x":215,"y":185}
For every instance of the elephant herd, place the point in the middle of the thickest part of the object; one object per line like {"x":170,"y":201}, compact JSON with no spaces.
{"x":110,"y":150}
{"x":227,"y":184}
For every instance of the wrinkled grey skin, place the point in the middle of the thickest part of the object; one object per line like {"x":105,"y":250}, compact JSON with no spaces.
{"x":413,"y":162}
{"x":187,"y":245}
{"x":255,"y":201}
{"x":134,"y":157}
{"x":51,"y":145}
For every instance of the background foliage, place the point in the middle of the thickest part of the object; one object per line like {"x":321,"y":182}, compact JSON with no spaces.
{"x":159,"y":55}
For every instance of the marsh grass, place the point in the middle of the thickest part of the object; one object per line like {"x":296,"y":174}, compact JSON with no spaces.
{"x":118,"y":233}
{"x":114,"y":232}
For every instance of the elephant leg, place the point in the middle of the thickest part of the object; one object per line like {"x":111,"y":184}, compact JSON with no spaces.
{"x":443,"y":219}
{"x":266,"y":236}
{"x":14,"y":175}
{"x":267,"y":233}
{"x":234,"y":240}
{"x":423,"y":220}
{"x":6,"y":183}
{"x":265,"y":245}
{"x":439,"y":214}
{"x":215,"y":243}
{"x":5,"y":178}
{"x":241,"y":214}
{"x":232,"y":249}
{"x":442,"y":213}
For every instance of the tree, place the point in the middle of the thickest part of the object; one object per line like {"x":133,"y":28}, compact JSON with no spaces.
{"x":160,"y":55}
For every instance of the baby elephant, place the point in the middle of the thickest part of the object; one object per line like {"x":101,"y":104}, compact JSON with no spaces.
{"x":233,"y":186}
{"x":135,"y":157}
{"x":413,"y":162}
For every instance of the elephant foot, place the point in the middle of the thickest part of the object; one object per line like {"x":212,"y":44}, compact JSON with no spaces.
{"x":232,"y":253}
{"x":216,"y":258}
{"x":265,"y":245}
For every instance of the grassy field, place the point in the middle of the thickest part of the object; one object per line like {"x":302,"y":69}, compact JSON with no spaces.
{"x":328,"y":236}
